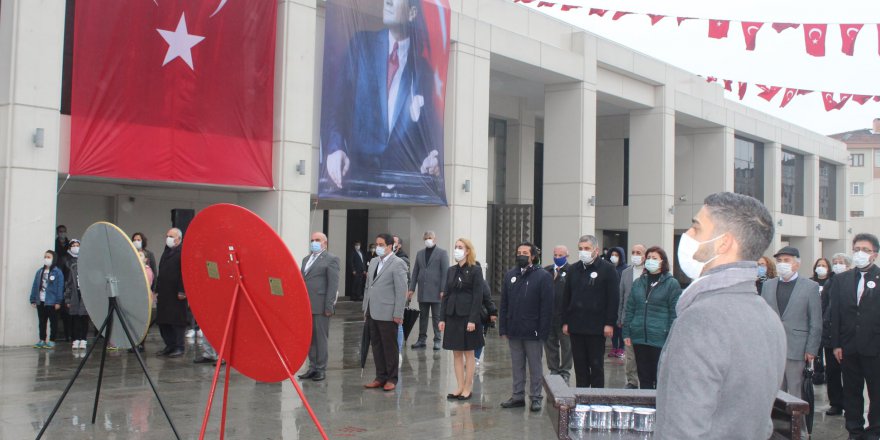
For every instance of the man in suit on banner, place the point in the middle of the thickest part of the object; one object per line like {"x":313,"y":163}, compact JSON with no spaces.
{"x":383,"y":310}
{"x":320,"y":271}
{"x":380,"y":132}
{"x":796,"y":300}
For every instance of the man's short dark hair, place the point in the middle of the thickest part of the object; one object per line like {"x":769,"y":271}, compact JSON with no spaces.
{"x":387,"y":237}
{"x":533,"y":250}
{"x":746,"y":218}
{"x":864,"y":236}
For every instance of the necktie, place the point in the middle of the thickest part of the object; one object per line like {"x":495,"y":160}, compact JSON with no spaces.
{"x":393,"y":65}
{"x":555,"y":272}
{"x":309,"y":263}
{"x":378,"y":269}
{"x":861,"y":288}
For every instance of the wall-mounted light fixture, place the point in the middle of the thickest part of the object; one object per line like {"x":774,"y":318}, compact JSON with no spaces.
{"x":672,"y":210}
{"x":592,"y":200}
{"x":39,"y":137}
{"x":301,"y":168}
{"x":849,"y":231}
{"x":466,"y":186}
{"x":779,"y":222}
{"x":819,"y":227}
{"x":683,"y":198}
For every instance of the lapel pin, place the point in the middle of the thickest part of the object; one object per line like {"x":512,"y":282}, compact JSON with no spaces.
{"x":871,"y":284}
{"x":594,"y":275}
{"x":513,"y":280}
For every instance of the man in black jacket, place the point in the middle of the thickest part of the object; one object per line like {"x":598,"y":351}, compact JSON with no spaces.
{"x":855,"y":322}
{"x":357,"y":263}
{"x":591,"y":300}
{"x":526,"y":314}
{"x":558,"y":346}
{"x":171,"y":306}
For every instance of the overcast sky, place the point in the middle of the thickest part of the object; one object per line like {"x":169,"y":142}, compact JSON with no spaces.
{"x":779,"y":58}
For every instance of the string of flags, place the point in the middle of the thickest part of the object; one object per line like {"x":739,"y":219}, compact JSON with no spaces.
{"x":768,"y":93}
{"x":814,"y":33}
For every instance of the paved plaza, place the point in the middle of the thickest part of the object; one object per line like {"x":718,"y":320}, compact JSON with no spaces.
{"x":32,"y":380}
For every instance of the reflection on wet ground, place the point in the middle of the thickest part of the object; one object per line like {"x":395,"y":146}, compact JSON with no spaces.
{"x":32,"y":380}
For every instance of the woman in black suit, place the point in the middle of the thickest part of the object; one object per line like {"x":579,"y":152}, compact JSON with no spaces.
{"x":460,"y":314}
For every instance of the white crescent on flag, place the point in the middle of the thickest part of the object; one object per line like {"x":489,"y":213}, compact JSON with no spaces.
{"x":752,"y":30}
{"x":816,"y":39}
{"x":219,"y":7}
{"x":852,"y":32}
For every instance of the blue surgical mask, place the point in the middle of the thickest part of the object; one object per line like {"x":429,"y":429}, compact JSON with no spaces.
{"x":315,"y":247}
{"x":559,"y":262}
{"x":652,"y":265}
{"x":762,"y":271}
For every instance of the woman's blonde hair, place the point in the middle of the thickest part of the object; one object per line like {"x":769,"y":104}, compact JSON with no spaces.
{"x":471,"y":257}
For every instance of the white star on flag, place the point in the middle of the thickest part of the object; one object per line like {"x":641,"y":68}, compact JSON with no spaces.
{"x":180,"y":43}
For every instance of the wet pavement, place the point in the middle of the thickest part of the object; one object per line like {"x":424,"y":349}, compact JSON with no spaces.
{"x":31,"y":381}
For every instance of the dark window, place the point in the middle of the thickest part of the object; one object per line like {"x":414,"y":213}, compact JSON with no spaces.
{"x":827,"y":191}
{"x":748,"y":168}
{"x":67,"y":59}
{"x":857,"y":213}
{"x":857,"y":188}
{"x":856,"y":160}
{"x":626,"y":172}
{"x":498,"y":131}
{"x":792,"y":183}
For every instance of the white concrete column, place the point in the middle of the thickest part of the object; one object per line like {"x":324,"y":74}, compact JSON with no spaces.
{"x":569,"y":162}
{"x":31,"y":43}
{"x":338,"y":244}
{"x":288,"y":207}
{"x":521,"y":158}
{"x":466,"y":142}
{"x":652,"y":174}
{"x":773,"y":190}
{"x":702,"y":167}
{"x":809,"y":246}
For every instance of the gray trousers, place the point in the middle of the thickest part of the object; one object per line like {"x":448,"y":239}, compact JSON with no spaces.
{"x":524,"y":351}
{"x":632,"y":373}
{"x":434,"y":309}
{"x":558,"y":351}
{"x":318,"y":348}
{"x":793,"y":382}
{"x":208,"y":351}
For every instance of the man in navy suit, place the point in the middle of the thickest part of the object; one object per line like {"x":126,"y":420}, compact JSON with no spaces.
{"x":379,"y":131}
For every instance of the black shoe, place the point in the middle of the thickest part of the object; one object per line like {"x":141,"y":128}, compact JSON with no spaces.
{"x":834,"y":411}
{"x":175,"y":353}
{"x":308,"y":375}
{"x":164,"y":351}
{"x":222,"y":363}
{"x":463,"y":397}
{"x":437,"y":346}
{"x":418,"y":344}
{"x":535,"y":406}
{"x":204,"y":360}
{"x":513,"y":403}
{"x":630,"y":386}
{"x":451,"y":396}
{"x":318,"y":376}
{"x":856,"y":437}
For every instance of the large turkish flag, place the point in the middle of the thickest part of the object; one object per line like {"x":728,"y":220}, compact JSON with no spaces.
{"x":172,"y":90}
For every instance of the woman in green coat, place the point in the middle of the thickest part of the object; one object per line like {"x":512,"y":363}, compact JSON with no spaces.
{"x":649,"y":313}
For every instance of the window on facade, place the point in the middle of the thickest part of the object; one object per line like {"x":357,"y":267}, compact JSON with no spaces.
{"x":857,"y":213}
{"x":856,"y":160}
{"x":792,"y":183}
{"x":827,"y":191}
{"x":748,"y":168}
{"x":498,"y":131}
{"x":857,"y":188}
{"x":876,"y":158}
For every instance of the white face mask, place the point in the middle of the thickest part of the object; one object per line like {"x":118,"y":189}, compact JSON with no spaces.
{"x":429,"y":243}
{"x":637,"y":260}
{"x":687,"y":247}
{"x":586,"y":257}
{"x":169,"y":241}
{"x":380,"y":251}
{"x":138,"y":244}
{"x":861,"y":259}
{"x":614,"y":260}
{"x":784,"y":269}
{"x":74,"y":250}
{"x":838,"y":268}
{"x":821,"y":271}
{"x":47,"y":261}
{"x":652,"y":265}
{"x":458,"y":254}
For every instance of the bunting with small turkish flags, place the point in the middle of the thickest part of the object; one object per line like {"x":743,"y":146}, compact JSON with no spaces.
{"x":768,"y":91}
{"x":848,"y":33}
{"x":750,"y":31}
{"x":718,"y":28}
{"x":788,"y":96}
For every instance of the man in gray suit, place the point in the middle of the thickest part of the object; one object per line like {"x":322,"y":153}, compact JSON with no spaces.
{"x":321,"y":273}
{"x":627,"y":277}
{"x":383,"y":310}
{"x":798,"y":304}
{"x":429,"y":275}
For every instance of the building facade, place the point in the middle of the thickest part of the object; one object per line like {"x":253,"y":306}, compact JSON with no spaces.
{"x":863,"y":177}
{"x":550,"y":133}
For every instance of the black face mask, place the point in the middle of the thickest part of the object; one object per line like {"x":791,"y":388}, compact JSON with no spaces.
{"x":522,"y":261}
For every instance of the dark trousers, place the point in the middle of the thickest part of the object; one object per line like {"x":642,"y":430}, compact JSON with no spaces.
{"x":173,"y":336}
{"x":80,"y":326}
{"x":358,"y":283}
{"x":47,"y":313}
{"x":434,"y":309}
{"x":819,"y":362}
{"x":647,"y":358}
{"x":588,"y":352}
{"x":617,"y":338}
{"x":857,"y":371}
{"x":833,"y":379}
{"x":383,"y":342}
{"x":66,"y":320}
